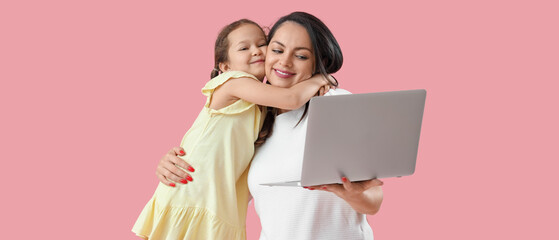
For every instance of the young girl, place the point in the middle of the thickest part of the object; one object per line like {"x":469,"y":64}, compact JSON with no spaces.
{"x":221,"y":143}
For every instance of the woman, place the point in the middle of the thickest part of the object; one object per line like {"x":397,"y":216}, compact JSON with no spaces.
{"x":299,"y":45}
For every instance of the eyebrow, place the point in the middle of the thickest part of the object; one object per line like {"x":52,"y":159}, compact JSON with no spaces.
{"x":247,"y":41}
{"x":242,"y":42}
{"x":297,"y":48}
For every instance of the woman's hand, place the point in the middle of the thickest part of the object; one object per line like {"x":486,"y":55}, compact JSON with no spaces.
{"x":168,"y":170}
{"x":363,"y":196}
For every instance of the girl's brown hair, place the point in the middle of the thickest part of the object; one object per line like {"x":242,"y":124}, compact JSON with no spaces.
{"x":222,"y":43}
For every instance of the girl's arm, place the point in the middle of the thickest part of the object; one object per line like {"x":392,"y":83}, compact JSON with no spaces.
{"x":256,"y":92}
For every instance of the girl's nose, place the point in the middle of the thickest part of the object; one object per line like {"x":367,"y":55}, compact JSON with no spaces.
{"x":257,"y":52}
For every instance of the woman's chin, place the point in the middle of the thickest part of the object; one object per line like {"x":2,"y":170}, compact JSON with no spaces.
{"x":282,"y":85}
{"x":280,"y":82}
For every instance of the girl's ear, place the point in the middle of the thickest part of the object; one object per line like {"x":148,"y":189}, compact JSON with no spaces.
{"x":223,"y":67}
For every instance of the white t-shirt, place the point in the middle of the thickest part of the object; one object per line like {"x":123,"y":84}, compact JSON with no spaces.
{"x":294,"y":212}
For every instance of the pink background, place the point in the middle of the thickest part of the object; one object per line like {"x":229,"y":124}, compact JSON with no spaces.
{"x":93,"y":94}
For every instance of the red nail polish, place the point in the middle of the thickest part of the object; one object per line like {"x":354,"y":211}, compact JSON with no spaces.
{"x":323,"y":187}
{"x":190,"y":169}
{"x":311,"y":188}
{"x":184,"y":181}
{"x":189,"y":178}
{"x":172,"y":185}
{"x":182,"y":152}
{"x":344,"y":179}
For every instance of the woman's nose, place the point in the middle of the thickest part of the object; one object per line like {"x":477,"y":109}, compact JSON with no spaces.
{"x":285,"y":61}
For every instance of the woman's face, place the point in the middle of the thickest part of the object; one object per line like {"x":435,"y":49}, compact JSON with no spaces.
{"x":290,"y":57}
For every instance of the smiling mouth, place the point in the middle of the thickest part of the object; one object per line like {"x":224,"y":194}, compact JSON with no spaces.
{"x":283,"y":74}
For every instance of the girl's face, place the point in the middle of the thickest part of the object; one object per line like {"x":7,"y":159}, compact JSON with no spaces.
{"x":247,"y":51}
{"x":290,"y":57}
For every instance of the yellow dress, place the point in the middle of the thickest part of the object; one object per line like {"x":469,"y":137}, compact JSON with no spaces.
{"x":219,"y":145}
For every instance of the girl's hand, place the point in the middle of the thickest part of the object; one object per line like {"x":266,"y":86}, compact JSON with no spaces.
{"x":324,"y":89}
{"x":168,"y":171}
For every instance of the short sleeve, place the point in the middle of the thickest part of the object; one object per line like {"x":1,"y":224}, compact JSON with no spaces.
{"x":236,"y":107}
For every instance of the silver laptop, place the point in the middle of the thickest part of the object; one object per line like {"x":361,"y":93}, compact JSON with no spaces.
{"x":361,"y":137}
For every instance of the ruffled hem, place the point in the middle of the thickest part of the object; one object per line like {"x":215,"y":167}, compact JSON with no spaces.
{"x":165,"y":222}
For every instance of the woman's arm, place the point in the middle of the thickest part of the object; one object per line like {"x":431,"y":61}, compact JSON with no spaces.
{"x":364,"y":196}
{"x":167,"y":171}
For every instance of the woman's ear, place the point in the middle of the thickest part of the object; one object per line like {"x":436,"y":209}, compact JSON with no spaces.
{"x":223,"y":67}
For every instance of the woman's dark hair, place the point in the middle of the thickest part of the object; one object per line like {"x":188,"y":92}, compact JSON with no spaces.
{"x":327,"y":53}
{"x":222,"y":43}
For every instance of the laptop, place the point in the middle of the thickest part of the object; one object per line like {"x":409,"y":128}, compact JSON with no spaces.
{"x":361,"y":137}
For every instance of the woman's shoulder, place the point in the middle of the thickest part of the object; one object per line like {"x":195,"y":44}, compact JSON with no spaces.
{"x":337,"y":91}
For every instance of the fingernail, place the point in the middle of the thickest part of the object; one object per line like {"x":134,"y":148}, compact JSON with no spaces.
{"x":305,"y":187}
{"x":323,"y":187}
{"x":189,"y":178}
{"x":311,"y":188}
{"x":182,"y":152}
{"x":344,"y":179}
{"x":190,"y":169}
{"x":172,"y":185}
{"x":184,"y":181}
